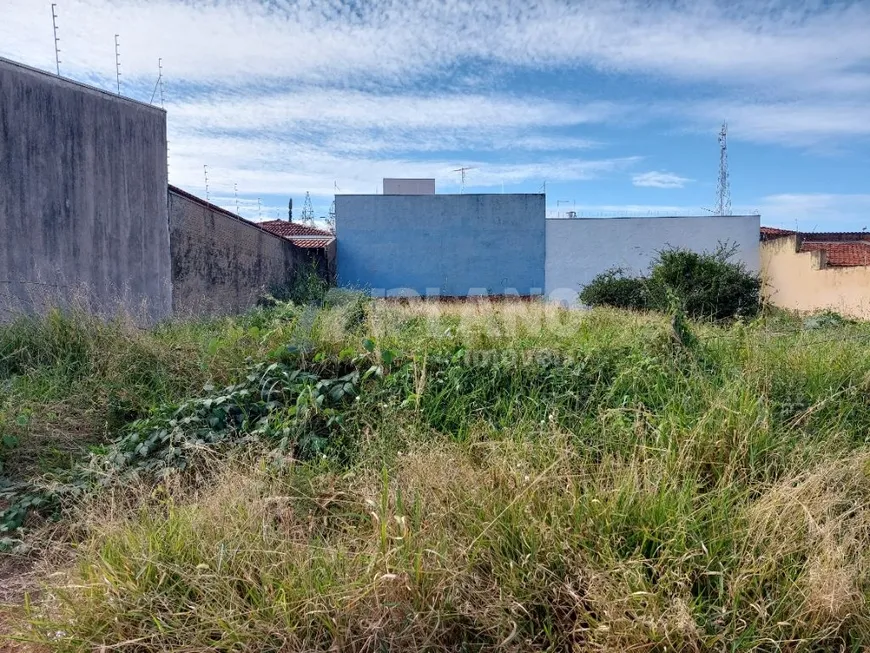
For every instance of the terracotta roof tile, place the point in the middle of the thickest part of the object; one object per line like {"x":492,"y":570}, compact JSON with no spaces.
{"x":311,"y":243}
{"x":841,"y":254}
{"x":285,"y":228}
{"x":775,"y":232}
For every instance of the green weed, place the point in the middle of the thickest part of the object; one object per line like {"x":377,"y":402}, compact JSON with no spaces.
{"x":380,"y":477}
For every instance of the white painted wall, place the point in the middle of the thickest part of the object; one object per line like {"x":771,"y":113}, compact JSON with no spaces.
{"x":580,"y":249}
{"x":409,"y":186}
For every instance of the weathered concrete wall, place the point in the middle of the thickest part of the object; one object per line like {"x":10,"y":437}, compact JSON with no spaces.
{"x":580,"y":249}
{"x":452,"y":245}
{"x":801,"y":281}
{"x":83,"y":208}
{"x":221,"y":263}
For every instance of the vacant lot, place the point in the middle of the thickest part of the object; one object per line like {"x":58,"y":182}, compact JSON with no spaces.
{"x":378,"y":477}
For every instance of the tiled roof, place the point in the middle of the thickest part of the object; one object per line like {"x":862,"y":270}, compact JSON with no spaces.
{"x":285,"y":228}
{"x":311,"y":243}
{"x":842,"y":248}
{"x":841,"y":254}
{"x":768,"y":233}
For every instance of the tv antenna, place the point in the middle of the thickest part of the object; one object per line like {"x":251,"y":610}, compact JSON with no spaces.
{"x":544,"y":187}
{"x":236,"y":191}
{"x":723,"y":189}
{"x":259,"y":209}
{"x":462,"y":172}
{"x":205,"y":172}
{"x":56,"y":39}
{"x":118,"y":63}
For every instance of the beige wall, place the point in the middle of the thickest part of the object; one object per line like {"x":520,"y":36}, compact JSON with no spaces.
{"x":801,"y":281}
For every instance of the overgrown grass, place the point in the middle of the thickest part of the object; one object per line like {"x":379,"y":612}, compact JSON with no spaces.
{"x":512,"y":476}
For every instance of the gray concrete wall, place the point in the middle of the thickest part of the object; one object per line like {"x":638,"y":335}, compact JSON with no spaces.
{"x":449,"y":245}
{"x":580,"y":249}
{"x":222,"y":263}
{"x":83,"y":206}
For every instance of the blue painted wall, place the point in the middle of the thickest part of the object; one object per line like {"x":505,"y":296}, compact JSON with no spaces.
{"x":452,"y":245}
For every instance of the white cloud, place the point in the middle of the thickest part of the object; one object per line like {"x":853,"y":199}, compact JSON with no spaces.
{"x":358,"y":110}
{"x":816,"y":211}
{"x":659,"y":180}
{"x":305,"y":92}
{"x":797,"y":123}
{"x":264,"y":166}
{"x":791,"y":43}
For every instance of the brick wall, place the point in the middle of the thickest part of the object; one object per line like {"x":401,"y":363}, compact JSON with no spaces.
{"x":222,"y":264}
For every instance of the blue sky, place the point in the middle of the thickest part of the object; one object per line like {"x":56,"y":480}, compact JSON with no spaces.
{"x":615,"y":104}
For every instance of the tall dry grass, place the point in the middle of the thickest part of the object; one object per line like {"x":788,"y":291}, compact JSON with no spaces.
{"x":631,"y":493}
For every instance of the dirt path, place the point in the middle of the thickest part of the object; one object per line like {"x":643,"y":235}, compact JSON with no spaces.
{"x":18,"y":576}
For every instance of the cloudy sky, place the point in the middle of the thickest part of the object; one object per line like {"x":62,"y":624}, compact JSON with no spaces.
{"x":615,"y":105}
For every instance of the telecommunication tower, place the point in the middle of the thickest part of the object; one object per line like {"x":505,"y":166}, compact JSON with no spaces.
{"x":307,"y":210}
{"x":723,"y":189}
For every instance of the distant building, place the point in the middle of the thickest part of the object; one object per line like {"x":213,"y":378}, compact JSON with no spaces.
{"x":300,"y":234}
{"x":441,"y":245}
{"x":578,"y":249}
{"x":504,"y":244}
{"x":816,"y":271}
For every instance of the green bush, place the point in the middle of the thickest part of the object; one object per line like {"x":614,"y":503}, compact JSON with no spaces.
{"x":704,"y":286}
{"x":614,"y":288}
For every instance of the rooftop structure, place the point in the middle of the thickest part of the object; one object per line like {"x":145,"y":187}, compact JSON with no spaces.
{"x":409,"y":186}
